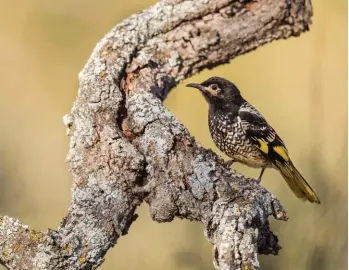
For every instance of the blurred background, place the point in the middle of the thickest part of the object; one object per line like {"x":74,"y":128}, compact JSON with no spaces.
{"x":300,"y":85}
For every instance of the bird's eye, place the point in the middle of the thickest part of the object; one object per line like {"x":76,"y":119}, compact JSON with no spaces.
{"x":214,"y":86}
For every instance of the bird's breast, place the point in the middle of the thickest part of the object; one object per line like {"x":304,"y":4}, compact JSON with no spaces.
{"x":230,"y":138}
{"x":219,"y":127}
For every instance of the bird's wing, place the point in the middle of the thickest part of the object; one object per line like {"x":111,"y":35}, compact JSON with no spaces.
{"x":262,"y":134}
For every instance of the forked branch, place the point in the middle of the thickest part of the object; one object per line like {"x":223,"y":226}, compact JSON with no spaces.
{"x":127,"y":148}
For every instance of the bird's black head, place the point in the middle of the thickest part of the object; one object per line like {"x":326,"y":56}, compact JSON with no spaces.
{"x":219,"y":92}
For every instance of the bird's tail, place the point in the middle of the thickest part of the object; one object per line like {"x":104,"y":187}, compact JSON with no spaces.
{"x":296,"y":182}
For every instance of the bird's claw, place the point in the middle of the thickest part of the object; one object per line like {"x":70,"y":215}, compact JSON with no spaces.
{"x":229,"y":163}
{"x":257,"y":181}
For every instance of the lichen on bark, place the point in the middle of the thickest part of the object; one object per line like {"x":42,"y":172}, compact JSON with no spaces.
{"x":126,"y":147}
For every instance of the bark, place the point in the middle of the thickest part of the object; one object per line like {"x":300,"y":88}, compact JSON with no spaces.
{"x":127,"y":148}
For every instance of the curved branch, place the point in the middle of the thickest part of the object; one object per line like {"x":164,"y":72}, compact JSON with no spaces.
{"x":126,"y":147}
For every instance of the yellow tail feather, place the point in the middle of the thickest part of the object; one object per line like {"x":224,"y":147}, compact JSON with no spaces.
{"x":296,"y":182}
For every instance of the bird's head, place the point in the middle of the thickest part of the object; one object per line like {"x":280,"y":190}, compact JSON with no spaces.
{"x":219,"y":91}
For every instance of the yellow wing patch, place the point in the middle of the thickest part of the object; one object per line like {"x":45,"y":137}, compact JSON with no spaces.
{"x":263,"y":145}
{"x":309,"y":191}
{"x":282,"y":152}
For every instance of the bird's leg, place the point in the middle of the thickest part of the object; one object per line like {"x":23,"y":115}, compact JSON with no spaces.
{"x":229,"y":163}
{"x":260,"y":176}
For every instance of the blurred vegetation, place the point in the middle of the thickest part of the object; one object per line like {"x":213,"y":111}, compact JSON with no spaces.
{"x":300,"y":85}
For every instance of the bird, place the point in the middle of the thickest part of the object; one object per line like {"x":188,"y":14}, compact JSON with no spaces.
{"x":240,"y":131}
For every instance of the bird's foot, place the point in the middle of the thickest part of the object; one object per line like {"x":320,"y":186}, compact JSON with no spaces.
{"x":257,"y":181}
{"x":229,"y":163}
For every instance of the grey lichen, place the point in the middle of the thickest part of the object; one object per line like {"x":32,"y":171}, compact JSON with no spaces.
{"x":126,"y":147}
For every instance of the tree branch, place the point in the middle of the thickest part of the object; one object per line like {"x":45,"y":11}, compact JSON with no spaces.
{"x":126,"y":147}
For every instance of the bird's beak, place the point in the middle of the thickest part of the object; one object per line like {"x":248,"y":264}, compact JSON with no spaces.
{"x":204,"y":90}
{"x":197,"y":86}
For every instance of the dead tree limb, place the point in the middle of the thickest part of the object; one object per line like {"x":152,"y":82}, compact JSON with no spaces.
{"x":127,"y":148}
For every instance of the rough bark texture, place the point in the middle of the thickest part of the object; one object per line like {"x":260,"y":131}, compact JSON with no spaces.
{"x":126,"y":147}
